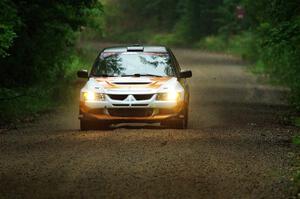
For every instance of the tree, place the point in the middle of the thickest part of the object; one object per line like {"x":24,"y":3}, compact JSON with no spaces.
{"x":8,"y":25}
{"x":41,"y":42}
{"x":277,"y":23}
{"x":198,"y":18}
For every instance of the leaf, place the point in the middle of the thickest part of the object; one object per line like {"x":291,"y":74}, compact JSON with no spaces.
{"x":296,"y":140}
{"x":297,"y":121}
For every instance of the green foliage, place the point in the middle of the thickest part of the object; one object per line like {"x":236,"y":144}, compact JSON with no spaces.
{"x":268,"y":36}
{"x":142,"y":36}
{"x":6,"y":39}
{"x":186,"y":20}
{"x":297,"y":121}
{"x":27,"y":102}
{"x":279,"y":33}
{"x":296,"y":140}
{"x":20,"y":102}
{"x":37,"y":41}
{"x":45,"y":39}
{"x":168,"y":40}
{"x":228,"y":22}
{"x":9,"y":21}
{"x":197,"y":19}
{"x":125,"y":20}
{"x":243,"y":44}
{"x":213,"y":43}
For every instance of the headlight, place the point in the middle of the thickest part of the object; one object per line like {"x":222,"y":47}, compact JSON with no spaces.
{"x":91,"y":96}
{"x":170,"y":96}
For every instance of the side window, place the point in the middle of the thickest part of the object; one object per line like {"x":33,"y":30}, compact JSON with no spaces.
{"x":96,"y":62}
{"x":175,"y":62}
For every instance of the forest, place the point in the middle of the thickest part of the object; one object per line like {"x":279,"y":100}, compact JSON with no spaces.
{"x":38,"y":40}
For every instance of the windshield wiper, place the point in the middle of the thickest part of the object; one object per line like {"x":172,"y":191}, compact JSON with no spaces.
{"x":141,"y":75}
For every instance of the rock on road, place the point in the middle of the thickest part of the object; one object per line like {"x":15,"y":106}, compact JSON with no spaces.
{"x":234,"y":147}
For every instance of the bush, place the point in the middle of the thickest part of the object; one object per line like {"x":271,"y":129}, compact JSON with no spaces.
{"x":213,"y":43}
{"x":20,"y":102}
{"x":167,"y":39}
{"x":244,"y":44}
{"x":9,"y":22}
{"x":280,"y":55}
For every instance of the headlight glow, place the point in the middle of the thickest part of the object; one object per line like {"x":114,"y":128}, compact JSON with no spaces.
{"x":91,"y":96}
{"x":170,"y":96}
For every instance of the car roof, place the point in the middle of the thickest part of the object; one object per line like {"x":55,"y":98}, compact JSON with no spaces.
{"x":136,"y":48}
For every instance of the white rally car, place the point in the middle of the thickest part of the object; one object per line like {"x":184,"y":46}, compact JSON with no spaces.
{"x":134,"y":84}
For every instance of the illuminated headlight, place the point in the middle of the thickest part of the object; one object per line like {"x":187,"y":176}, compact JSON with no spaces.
{"x":91,"y":96}
{"x":170,"y":96}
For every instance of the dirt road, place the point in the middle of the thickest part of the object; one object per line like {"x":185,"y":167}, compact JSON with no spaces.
{"x":234,"y":147}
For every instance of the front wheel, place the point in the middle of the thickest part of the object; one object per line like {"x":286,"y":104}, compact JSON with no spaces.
{"x":178,"y":123}
{"x":86,"y":125}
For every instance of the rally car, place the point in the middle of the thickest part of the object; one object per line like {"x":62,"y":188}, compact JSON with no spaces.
{"x":134,"y":84}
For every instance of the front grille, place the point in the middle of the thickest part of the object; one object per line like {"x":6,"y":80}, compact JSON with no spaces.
{"x":121,"y":105}
{"x":139,"y":104}
{"x":118,"y":97}
{"x":138,"y":97}
{"x":131,"y":112}
{"x":143,"y":97}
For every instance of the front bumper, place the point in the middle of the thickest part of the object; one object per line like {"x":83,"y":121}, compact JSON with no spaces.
{"x":149,"y":110}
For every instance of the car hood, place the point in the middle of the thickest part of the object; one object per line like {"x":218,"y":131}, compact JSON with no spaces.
{"x":132,"y":84}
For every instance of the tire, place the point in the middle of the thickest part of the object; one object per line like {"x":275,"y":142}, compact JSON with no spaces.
{"x":186,"y":117}
{"x":86,"y":125}
{"x":177,"y":123}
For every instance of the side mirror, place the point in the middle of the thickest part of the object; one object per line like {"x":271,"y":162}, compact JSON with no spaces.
{"x":186,"y":74}
{"x":83,"y":74}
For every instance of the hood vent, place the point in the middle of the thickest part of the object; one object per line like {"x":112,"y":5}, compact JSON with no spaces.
{"x":131,"y":83}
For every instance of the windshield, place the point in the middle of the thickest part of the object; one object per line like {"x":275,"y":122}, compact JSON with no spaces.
{"x":133,"y":64}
